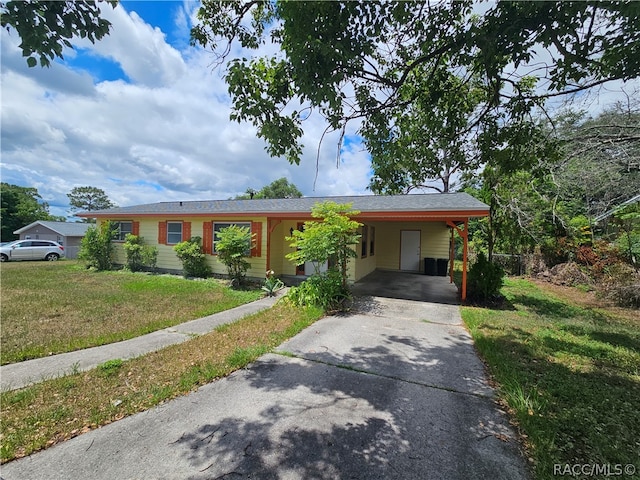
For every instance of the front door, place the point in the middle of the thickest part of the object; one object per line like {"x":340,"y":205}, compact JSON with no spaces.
{"x":410,"y":250}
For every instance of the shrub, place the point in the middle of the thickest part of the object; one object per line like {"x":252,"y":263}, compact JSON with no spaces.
{"x":138,"y":255}
{"x":324,"y":290}
{"x":233,"y":246}
{"x":621,"y":285}
{"x":96,"y":249}
{"x":194,"y":262}
{"x":556,"y":251}
{"x":484,"y":280}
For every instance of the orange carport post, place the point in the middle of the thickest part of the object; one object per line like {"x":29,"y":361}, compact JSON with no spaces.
{"x":464,"y":233}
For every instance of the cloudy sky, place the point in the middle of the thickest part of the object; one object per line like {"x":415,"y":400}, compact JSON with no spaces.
{"x":145,"y":117}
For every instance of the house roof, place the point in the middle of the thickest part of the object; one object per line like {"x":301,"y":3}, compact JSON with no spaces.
{"x":65,"y":229}
{"x":440,"y":203}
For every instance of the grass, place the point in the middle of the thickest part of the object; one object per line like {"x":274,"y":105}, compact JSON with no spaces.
{"x":55,"y":307}
{"x":37,"y":417}
{"x":568,"y":370}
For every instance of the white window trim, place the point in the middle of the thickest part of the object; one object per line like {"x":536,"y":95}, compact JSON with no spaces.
{"x":174,"y":233}
{"x":120,"y":237}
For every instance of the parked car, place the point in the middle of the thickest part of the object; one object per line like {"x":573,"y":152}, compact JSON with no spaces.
{"x":31,"y":250}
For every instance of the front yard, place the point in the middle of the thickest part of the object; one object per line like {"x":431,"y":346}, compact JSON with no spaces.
{"x":568,"y":370}
{"x":55,"y":307}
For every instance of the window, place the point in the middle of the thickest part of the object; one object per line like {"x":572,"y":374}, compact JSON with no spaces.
{"x":217,"y":226}
{"x":121,"y":229}
{"x":364,"y":241}
{"x":372,"y":241}
{"x":174,"y":233}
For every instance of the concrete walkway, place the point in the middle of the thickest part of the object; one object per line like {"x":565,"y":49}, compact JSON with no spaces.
{"x":18,"y":375}
{"x":393,"y":390}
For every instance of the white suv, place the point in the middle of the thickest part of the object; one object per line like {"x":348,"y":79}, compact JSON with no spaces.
{"x":31,"y":250}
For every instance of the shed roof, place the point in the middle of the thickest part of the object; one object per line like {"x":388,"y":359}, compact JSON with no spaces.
{"x":65,"y":229}
{"x":383,"y":204}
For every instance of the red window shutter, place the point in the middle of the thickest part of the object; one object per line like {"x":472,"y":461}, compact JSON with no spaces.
{"x":186,"y":231}
{"x":162,"y":233}
{"x":207,"y":237}
{"x":256,"y":231}
{"x":135,"y":228}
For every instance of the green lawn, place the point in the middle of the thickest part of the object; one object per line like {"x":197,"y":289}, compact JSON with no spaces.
{"x":53,"y":411}
{"x":55,"y":307}
{"x":569,"y":372}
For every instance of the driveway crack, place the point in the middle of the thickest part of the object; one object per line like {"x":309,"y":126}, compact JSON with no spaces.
{"x":379,"y":375}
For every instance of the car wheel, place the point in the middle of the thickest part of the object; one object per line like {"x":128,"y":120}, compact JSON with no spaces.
{"x":4,"y":258}
{"x":52,"y":257}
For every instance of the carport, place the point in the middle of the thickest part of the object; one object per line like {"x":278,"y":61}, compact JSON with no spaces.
{"x":408,"y":286}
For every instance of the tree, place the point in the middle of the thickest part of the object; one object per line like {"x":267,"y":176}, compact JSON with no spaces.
{"x":46,"y":27}
{"x":331,"y":241}
{"x":280,"y":188}
{"x":331,"y":238}
{"x":426,"y":141}
{"x":233,"y":245}
{"x":351,"y":60}
{"x":20,"y":207}
{"x":89,"y":199}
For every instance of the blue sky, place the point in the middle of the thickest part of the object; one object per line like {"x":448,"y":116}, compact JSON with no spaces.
{"x":145,"y":117}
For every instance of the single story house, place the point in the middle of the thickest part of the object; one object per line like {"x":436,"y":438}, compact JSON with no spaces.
{"x":67,"y":234}
{"x":399,"y":232}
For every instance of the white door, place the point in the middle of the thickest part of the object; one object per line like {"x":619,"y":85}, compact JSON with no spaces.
{"x":410,"y":250}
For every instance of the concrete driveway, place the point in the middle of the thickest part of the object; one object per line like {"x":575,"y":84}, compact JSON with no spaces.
{"x":393,"y":390}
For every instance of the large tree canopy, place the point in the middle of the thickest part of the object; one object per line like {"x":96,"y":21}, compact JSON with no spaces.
{"x":351,"y":60}
{"x":20,"y":207}
{"x":46,"y":27}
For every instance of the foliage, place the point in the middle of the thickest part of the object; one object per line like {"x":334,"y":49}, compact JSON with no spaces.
{"x":323,"y":290}
{"x":272,"y":283}
{"x":88,"y":199}
{"x":280,"y":188}
{"x":627,"y":220}
{"x":233,"y":245}
{"x":138,"y":255}
{"x":20,"y":207}
{"x":484,"y":280}
{"x":96,"y":248}
{"x":329,"y":240}
{"x":426,"y":140}
{"x":45,"y":28}
{"x":351,"y":60}
{"x":620,"y":284}
{"x":194,"y":261}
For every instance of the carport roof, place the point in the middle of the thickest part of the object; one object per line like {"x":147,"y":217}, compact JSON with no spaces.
{"x":440,"y":203}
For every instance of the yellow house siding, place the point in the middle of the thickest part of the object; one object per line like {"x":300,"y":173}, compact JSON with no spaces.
{"x":434,"y":242}
{"x":278,"y":245}
{"x":167,"y":258}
